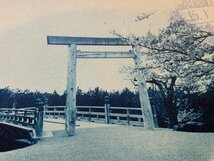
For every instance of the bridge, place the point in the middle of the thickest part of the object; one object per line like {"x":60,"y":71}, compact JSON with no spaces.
{"x":32,"y":123}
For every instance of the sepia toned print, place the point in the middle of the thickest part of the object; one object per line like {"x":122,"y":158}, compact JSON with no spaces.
{"x":117,"y":80}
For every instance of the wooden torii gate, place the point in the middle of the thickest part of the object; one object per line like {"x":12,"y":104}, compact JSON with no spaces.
{"x":73,"y":54}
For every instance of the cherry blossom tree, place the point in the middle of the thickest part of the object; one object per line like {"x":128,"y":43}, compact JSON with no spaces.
{"x":178,"y":57}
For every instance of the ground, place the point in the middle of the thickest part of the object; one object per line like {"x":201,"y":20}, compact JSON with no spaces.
{"x":100,"y":142}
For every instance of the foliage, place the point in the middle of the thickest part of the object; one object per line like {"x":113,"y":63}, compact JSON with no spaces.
{"x":6,"y":97}
{"x":178,"y":58}
{"x":96,"y":97}
{"x":179,"y":51}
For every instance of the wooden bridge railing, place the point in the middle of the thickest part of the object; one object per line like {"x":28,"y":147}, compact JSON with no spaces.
{"x":21,"y":117}
{"x":115,"y":115}
{"x":107,"y":114}
{"x":30,"y":117}
{"x":17,"y":116}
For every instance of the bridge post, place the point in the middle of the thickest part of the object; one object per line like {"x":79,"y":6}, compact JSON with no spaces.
{"x":40,"y":116}
{"x":89,"y":114}
{"x":14,"y":106}
{"x":128,"y":117}
{"x":107,"y":106}
{"x":45,"y":106}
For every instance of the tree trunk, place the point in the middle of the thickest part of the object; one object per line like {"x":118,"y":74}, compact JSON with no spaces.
{"x":172,"y":112}
{"x":171,"y":105}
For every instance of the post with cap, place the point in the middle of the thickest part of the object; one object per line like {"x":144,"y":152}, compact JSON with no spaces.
{"x":45,"y":106}
{"x":107,"y":106}
{"x":39,"y":118}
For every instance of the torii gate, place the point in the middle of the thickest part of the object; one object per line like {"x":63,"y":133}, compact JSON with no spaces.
{"x":73,"y":54}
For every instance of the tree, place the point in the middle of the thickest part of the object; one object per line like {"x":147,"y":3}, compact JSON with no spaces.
{"x":24,"y":98}
{"x":177,"y":58}
{"x":6,"y":98}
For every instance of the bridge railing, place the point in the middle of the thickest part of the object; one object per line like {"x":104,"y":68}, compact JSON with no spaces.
{"x":19,"y":116}
{"x":30,"y":117}
{"x":107,"y":114}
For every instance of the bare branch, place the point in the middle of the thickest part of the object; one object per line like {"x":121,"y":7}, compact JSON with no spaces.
{"x":144,"y":16}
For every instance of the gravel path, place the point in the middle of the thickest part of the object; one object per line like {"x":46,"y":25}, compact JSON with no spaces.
{"x":119,"y":143}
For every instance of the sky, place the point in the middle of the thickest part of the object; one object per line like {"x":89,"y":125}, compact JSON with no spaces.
{"x":27,"y":62}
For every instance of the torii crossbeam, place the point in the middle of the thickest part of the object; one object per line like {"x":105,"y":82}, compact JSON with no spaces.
{"x":73,"y":54}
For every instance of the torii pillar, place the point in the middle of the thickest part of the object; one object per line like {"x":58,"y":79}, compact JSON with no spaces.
{"x":70,"y":117}
{"x":72,"y":42}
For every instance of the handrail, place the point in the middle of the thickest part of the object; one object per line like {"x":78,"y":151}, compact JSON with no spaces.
{"x":125,"y":108}
{"x":30,"y":117}
{"x":116,"y":115}
{"x":19,"y":116}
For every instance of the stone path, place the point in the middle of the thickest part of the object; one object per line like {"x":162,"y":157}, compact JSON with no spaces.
{"x":52,"y":125}
{"x":101,"y":142}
